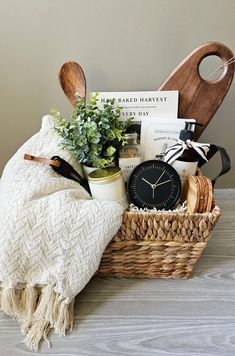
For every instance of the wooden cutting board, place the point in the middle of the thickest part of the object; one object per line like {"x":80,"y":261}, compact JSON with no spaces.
{"x":199,"y":98}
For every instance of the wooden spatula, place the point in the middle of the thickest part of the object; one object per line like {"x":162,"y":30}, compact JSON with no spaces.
{"x":199,"y":98}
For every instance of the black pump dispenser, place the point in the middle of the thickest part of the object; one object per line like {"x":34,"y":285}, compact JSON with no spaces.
{"x":187,"y":133}
{"x":189,"y":155}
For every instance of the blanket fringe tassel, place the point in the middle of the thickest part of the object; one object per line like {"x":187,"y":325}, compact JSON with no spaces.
{"x":39,"y":309}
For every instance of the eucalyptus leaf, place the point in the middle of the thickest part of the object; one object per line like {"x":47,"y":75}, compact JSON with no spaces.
{"x":92,"y":134}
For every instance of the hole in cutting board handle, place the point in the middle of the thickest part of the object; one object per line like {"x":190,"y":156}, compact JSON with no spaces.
{"x":208,"y":66}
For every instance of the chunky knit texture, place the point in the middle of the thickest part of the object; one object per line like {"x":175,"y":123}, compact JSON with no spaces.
{"x":52,"y":237}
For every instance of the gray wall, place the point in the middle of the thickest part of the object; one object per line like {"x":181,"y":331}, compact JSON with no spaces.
{"x":121,"y":44}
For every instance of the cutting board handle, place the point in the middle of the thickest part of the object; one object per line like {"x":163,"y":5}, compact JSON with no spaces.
{"x":200,"y":98}
{"x":212,"y":49}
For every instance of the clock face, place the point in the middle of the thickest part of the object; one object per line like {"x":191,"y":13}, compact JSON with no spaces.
{"x":154,"y":184}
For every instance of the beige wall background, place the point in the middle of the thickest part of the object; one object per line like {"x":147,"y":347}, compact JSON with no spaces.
{"x":121,"y":44}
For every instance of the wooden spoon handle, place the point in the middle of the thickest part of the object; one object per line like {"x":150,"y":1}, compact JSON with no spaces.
{"x":72,"y":80}
{"x":51,"y":162}
{"x":200,"y":98}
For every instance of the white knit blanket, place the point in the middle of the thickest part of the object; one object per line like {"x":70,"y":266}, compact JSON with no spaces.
{"x":52,"y":237}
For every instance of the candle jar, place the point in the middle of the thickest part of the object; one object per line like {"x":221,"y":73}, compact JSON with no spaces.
{"x":108,"y":184}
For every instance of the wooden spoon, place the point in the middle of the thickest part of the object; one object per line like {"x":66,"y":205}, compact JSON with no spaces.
{"x":72,"y":81}
{"x":199,"y":98}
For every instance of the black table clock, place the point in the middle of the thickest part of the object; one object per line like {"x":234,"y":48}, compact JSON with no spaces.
{"x":154,"y":184}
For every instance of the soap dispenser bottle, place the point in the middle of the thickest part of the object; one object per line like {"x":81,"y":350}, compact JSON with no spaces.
{"x":187,"y":154}
{"x":186,"y":164}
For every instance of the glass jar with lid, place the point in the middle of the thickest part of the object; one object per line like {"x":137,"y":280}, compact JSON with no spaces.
{"x":132,"y":147}
{"x":130,"y":154}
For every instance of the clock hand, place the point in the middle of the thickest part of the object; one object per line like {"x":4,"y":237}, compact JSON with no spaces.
{"x":148,"y":182}
{"x":159,"y":177}
{"x":166,"y":181}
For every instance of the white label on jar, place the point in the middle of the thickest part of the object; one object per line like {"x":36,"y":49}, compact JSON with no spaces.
{"x":185,"y":169}
{"x":127,"y":165}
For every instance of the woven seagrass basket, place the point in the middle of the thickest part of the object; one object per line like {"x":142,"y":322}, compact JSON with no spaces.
{"x":166,"y":244}
{"x":158,"y":244}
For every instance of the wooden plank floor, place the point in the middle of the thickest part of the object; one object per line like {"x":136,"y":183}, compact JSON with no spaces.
{"x":153,"y":317}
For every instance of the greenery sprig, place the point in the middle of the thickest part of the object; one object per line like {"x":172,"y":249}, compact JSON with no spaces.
{"x":93,"y":135}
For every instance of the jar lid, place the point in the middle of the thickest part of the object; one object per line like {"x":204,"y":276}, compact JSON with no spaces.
{"x":131,"y":135}
{"x":104,"y":175}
